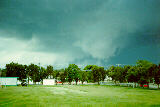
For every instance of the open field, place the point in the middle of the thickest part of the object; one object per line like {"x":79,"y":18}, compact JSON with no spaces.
{"x":78,"y":96}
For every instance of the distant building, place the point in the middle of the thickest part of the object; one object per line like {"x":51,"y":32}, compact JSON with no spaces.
{"x":49,"y":82}
{"x":108,"y":78}
{"x":9,"y":81}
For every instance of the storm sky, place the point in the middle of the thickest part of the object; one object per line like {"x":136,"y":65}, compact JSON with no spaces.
{"x":102,"y":32}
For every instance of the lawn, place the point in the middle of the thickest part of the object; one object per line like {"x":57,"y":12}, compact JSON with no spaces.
{"x":81,"y":96}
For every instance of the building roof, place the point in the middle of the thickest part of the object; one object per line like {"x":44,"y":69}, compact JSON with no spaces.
{"x":9,"y":77}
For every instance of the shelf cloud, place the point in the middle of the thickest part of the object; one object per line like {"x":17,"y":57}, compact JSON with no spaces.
{"x":79,"y":31}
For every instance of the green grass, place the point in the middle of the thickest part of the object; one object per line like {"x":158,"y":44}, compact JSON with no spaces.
{"x":81,"y":96}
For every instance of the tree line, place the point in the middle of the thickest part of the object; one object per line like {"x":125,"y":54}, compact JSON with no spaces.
{"x":35,"y":73}
{"x":144,"y":72}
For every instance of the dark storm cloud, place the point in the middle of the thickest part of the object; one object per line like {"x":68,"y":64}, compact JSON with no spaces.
{"x":91,"y":31}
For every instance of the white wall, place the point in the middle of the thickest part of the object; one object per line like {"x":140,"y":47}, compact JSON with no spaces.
{"x":8,"y":81}
{"x":48,"y":81}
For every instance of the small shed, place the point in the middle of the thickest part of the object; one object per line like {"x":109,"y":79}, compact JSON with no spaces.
{"x":48,"y":81}
{"x":9,"y":81}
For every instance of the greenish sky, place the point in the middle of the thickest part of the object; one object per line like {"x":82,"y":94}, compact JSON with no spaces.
{"x":99,"y":32}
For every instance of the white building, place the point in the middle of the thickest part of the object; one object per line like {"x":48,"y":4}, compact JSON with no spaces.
{"x":9,"y":81}
{"x":108,"y":78}
{"x":48,"y":81}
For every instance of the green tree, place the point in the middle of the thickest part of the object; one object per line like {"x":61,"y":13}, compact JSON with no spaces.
{"x":16,"y":70}
{"x":49,"y":70}
{"x":124,"y":72}
{"x":117,"y":73}
{"x":102,"y":73}
{"x":156,"y":74}
{"x":73,"y":73}
{"x":3,"y":72}
{"x":88,"y":69}
{"x":34,"y":72}
{"x":113,"y":74}
{"x":144,"y":71}
{"x":96,"y":74}
{"x":22,"y":73}
{"x":12,"y":69}
{"x":83,"y":76}
{"x":89,"y":76}
{"x":62,"y":75}
{"x":132,"y":75}
{"x":56,"y":74}
{"x":43,"y":74}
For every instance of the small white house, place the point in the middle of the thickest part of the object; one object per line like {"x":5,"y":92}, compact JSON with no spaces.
{"x":9,"y":81}
{"x":108,"y":78}
{"x":48,"y":81}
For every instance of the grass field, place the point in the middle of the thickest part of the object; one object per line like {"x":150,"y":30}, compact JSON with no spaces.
{"x":81,"y":96}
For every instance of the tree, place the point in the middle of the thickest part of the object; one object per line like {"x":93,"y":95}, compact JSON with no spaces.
{"x":119,"y":74}
{"x":124,"y":72}
{"x":112,"y":73}
{"x":3,"y":72}
{"x":102,"y":73}
{"x":144,"y":71}
{"x":73,"y":73}
{"x":156,"y":74}
{"x":16,"y":70}
{"x":96,"y":73}
{"x":89,"y":73}
{"x":76,"y":74}
{"x":12,"y":69}
{"x":89,"y":76}
{"x":83,"y":76}
{"x":49,"y":70}
{"x":22,"y":73}
{"x":43,"y":74}
{"x":34,"y":72}
{"x":132,"y":75}
{"x":88,"y":67}
{"x":56,"y":74}
{"x":62,"y":75}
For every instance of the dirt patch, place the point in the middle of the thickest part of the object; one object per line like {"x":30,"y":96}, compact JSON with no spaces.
{"x":62,"y":90}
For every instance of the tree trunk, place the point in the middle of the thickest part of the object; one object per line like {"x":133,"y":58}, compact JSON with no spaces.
{"x":76,"y":82}
{"x":82,"y":82}
{"x":62,"y":83}
{"x":148,"y":85}
{"x":56,"y":81}
{"x":98,"y":82}
{"x":135,"y":85}
{"x":28,"y":80}
{"x":115,"y":82}
{"x":158,"y":86}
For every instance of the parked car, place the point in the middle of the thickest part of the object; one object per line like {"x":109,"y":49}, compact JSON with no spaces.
{"x":24,"y":83}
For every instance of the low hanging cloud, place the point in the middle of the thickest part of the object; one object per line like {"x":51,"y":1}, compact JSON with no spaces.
{"x":23,"y":52}
{"x":83,"y":32}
